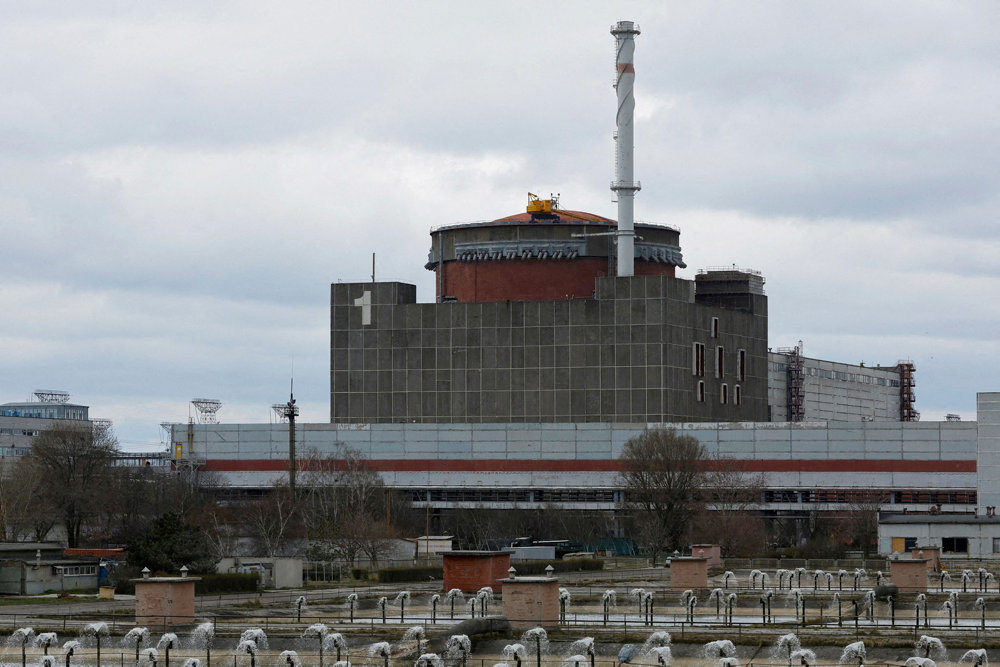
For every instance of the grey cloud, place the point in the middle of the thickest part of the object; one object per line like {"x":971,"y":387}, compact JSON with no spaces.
{"x":197,"y":174}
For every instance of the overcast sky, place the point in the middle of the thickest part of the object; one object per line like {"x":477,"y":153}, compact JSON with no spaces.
{"x":181,"y":182}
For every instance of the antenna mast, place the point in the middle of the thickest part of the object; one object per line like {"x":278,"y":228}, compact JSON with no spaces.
{"x":50,"y":396}
{"x":290,"y":411}
{"x":207,"y":409}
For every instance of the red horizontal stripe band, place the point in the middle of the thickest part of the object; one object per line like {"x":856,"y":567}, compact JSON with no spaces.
{"x":604,"y":465}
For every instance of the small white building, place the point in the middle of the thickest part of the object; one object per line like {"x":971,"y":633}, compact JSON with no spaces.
{"x":958,"y":535}
{"x":273,"y":572}
{"x":432,"y":545}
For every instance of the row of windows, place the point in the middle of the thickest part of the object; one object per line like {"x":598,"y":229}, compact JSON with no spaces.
{"x":935,"y":497}
{"x":855,"y":496}
{"x":836,"y":375}
{"x":14,"y":451}
{"x":845,"y":496}
{"x":418,"y":496}
{"x":19,"y":431}
{"x":949,"y":545}
{"x":723,"y":393}
{"x":698,"y":361}
{"x":76,"y":570}
{"x":43,"y":413}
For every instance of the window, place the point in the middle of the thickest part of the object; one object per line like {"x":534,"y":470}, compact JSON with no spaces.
{"x":715,"y":327}
{"x":955,"y":545}
{"x":724,"y":394}
{"x":701,"y":391}
{"x":996,"y":545}
{"x":76,"y":570}
{"x":720,"y":369}
{"x":738,"y":395}
{"x":741,"y":365}
{"x":698,"y":359}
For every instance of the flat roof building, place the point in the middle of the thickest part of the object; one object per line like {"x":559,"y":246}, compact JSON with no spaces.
{"x":801,"y":388}
{"x":22,"y":421}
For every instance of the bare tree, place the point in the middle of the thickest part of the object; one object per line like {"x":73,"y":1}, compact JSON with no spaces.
{"x":346,"y":509}
{"x":219,"y":524}
{"x":342,"y":483}
{"x":21,"y":506}
{"x":270,"y":520}
{"x":376,"y":540}
{"x":476,"y":528}
{"x":728,"y":512}
{"x":73,"y":461}
{"x":581,"y":526}
{"x":661,"y":472}
{"x":859,"y":525}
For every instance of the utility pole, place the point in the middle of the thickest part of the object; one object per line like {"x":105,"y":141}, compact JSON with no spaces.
{"x":289,"y":410}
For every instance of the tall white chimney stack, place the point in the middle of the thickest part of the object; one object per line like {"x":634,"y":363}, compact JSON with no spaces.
{"x":623,"y":186}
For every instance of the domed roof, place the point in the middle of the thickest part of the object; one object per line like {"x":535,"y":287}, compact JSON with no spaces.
{"x":557,"y":216}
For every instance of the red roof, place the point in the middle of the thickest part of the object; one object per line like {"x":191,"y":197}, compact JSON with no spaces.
{"x":562,"y":215}
{"x":113,"y":554}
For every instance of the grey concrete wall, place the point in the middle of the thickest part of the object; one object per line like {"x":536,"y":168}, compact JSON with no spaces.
{"x":979,"y":534}
{"x":816,"y":441}
{"x":284,"y":572}
{"x":624,"y":356}
{"x":988,"y":466}
{"x":16,"y":433}
{"x":853,"y":393}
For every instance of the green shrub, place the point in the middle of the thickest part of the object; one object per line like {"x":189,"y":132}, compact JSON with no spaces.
{"x":359,"y":573}
{"x":120,"y":579}
{"x":536,"y":567}
{"x":420,"y":573}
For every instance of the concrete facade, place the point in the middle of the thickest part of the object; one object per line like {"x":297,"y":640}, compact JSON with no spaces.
{"x":974,"y":535}
{"x":274,"y":572}
{"x":834,"y":391}
{"x":25,"y":577}
{"x":958,"y":536}
{"x":20,"y":423}
{"x":808,"y":466}
{"x":630,"y":354}
{"x":16,"y":433}
{"x":988,"y":452}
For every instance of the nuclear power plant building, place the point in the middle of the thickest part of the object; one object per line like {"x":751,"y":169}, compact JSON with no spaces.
{"x":510,"y":392}
{"x":556,"y":335}
{"x":497,"y":347}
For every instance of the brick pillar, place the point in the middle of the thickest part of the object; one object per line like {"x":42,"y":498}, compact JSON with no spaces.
{"x":910,"y":576}
{"x":164,"y":601}
{"x":688,"y":573}
{"x":531,"y":602}
{"x":471,"y":570}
